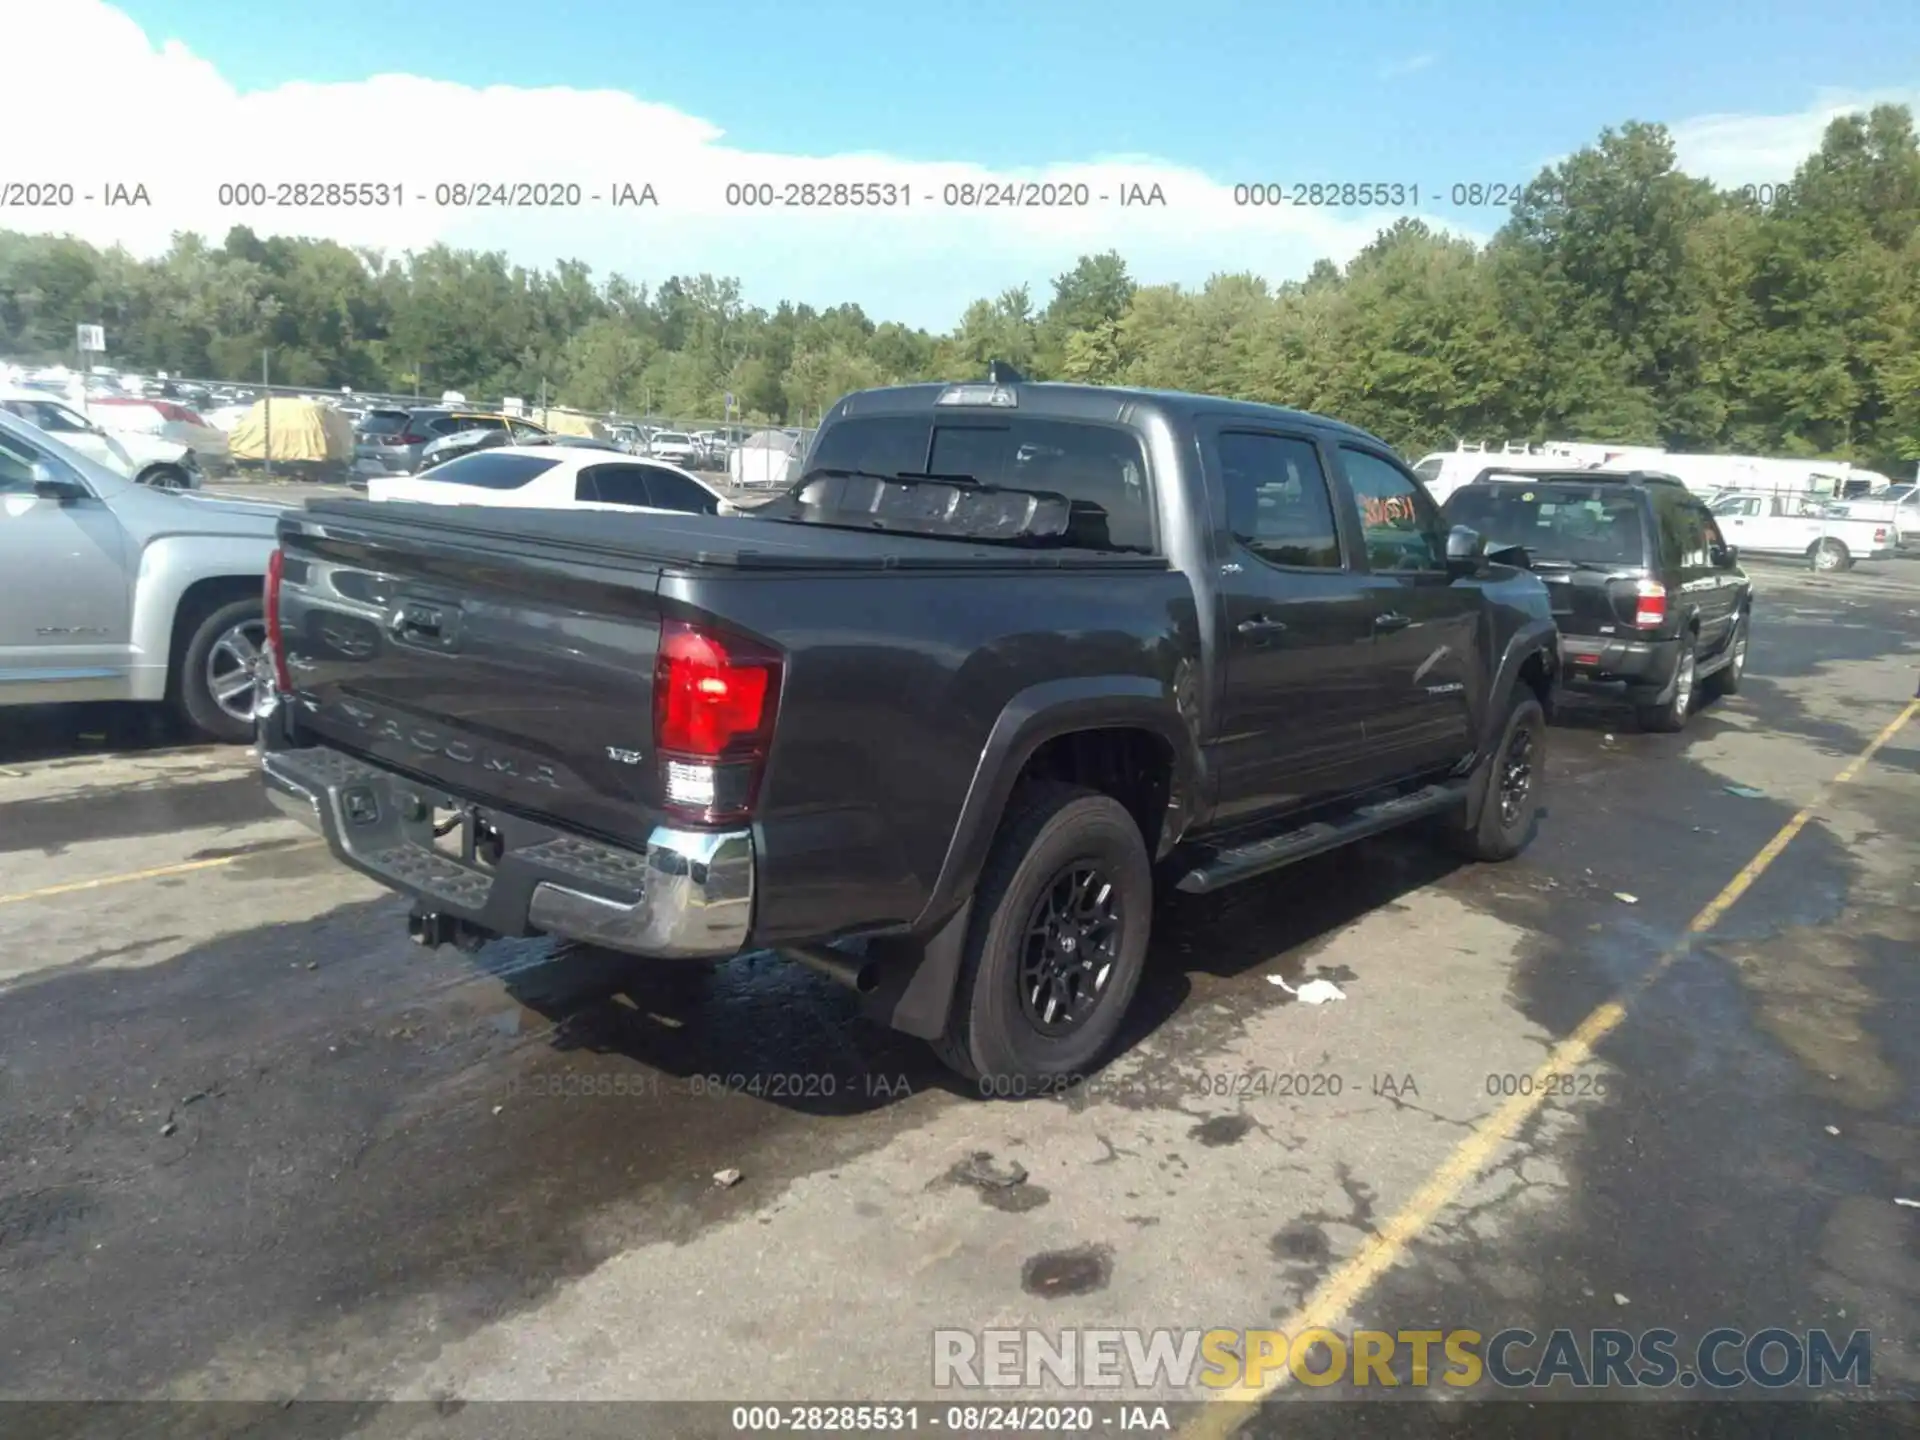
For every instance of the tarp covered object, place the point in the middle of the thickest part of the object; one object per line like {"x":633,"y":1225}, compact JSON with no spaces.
{"x":570,"y":422}
{"x":763,"y":459}
{"x":302,"y":430}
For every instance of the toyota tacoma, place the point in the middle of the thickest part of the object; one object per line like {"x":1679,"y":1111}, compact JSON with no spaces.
{"x":937,"y":721}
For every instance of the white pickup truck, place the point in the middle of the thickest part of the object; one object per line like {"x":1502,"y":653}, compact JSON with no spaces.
{"x":1897,"y":505}
{"x":1804,"y":527}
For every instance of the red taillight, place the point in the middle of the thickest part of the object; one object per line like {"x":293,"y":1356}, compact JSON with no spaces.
{"x":1650,"y":605}
{"x":1880,"y":535}
{"x":405,"y":437}
{"x":714,"y":699}
{"x":276,"y":651}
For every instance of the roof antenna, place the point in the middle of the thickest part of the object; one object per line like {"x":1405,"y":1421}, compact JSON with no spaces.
{"x":1001,"y":373}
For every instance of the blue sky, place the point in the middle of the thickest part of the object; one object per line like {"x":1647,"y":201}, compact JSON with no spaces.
{"x":1307,"y":90}
{"x":1210,"y":93}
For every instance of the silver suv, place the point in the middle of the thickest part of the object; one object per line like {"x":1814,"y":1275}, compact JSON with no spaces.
{"x":115,"y":591}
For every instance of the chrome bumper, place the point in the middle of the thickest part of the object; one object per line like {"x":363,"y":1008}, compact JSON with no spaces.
{"x":689,"y":895}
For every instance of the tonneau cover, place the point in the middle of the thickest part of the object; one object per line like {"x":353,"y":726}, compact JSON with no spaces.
{"x":734,"y":542}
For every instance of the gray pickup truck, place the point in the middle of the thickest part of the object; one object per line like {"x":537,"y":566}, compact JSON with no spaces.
{"x":117,"y":591}
{"x":938,"y":722}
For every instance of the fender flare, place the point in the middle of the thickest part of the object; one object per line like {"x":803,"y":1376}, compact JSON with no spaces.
{"x":1029,"y":720}
{"x":922,"y":967}
{"x":1537,"y":637}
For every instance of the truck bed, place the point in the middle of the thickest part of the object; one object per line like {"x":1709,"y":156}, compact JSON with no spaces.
{"x":900,"y":653}
{"x":736,"y":542}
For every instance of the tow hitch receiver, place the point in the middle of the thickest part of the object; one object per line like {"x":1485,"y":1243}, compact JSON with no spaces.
{"x":432,"y":930}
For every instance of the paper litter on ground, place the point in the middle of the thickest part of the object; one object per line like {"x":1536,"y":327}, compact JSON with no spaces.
{"x":1314,"y":992}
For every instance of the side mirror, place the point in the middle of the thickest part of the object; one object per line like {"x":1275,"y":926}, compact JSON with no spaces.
{"x":48,"y":486}
{"x":1725,"y":557}
{"x":1466,"y":550}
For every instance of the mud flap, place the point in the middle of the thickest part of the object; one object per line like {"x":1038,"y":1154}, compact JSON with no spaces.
{"x":917,"y":978}
{"x":1480,"y":781}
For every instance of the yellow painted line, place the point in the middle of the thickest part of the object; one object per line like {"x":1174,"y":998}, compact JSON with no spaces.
{"x":1345,"y":1287}
{"x":185,"y":867}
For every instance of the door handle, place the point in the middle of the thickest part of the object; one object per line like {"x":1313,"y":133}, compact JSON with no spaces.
{"x":1392,"y":620}
{"x":1260,"y":625}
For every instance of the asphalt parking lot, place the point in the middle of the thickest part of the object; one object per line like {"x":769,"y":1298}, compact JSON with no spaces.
{"x":255,"y":1145}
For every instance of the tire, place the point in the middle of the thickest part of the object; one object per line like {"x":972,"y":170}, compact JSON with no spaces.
{"x":1053,"y":836}
{"x":1503,"y":832}
{"x":211,"y":652}
{"x":1669,"y":716}
{"x":1828,"y":556}
{"x":1726,"y":680}
{"x":165,"y":477}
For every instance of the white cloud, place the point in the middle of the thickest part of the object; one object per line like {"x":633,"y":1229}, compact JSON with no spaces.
{"x":1735,"y":150}
{"x":1413,"y":65}
{"x":922,"y":263}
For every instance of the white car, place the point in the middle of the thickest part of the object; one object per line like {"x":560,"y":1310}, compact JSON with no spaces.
{"x":132,"y":455}
{"x":1757,"y":522}
{"x":548,"y":477}
{"x":675,"y":446}
{"x":170,"y":421}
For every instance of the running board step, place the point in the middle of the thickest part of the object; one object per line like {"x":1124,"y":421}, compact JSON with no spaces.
{"x":1254,"y":857}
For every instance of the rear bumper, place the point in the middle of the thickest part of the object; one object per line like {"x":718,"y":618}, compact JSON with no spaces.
{"x":379,"y":461}
{"x":1604,"y":662}
{"x":689,"y":895}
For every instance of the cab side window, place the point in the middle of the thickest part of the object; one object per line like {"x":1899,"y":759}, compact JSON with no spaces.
{"x":1403,"y":529}
{"x":1278,"y":504}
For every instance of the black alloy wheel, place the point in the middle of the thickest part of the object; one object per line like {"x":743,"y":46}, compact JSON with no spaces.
{"x":1073,"y":941}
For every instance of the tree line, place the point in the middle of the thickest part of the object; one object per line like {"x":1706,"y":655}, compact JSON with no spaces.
{"x":1622,"y":300}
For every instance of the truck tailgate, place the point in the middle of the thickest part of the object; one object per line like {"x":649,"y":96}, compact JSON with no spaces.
{"x":507,"y":670}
